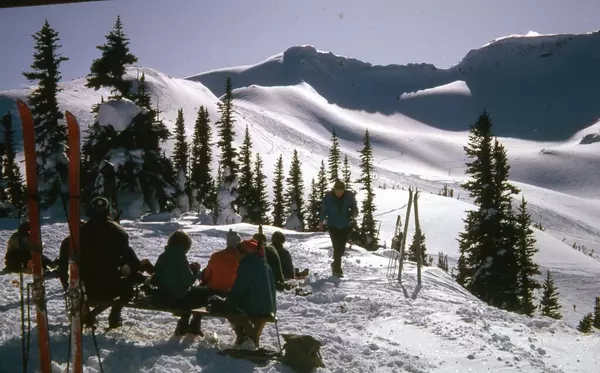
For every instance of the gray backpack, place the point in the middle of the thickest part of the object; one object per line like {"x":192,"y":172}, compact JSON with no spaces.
{"x":302,"y":353}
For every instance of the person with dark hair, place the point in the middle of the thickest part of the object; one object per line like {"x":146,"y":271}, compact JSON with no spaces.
{"x":338,"y":208}
{"x":273,"y":260}
{"x":287,"y":266}
{"x":106,"y":262}
{"x":18,"y":250}
{"x":175,"y":281}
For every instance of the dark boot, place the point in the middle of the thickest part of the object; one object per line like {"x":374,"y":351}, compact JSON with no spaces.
{"x":195,"y":326}
{"x":182,"y":325}
{"x":114,"y":318}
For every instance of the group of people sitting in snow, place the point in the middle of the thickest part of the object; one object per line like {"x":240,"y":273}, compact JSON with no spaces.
{"x":242,"y":278}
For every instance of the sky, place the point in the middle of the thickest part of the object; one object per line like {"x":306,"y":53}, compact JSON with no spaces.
{"x":186,"y":37}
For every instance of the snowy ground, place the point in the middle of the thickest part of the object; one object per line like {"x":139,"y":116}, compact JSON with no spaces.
{"x":366,"y":322}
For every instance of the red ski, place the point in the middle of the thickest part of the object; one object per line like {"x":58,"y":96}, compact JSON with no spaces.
{"x":75,"y":294}
{"x":36,"y":243}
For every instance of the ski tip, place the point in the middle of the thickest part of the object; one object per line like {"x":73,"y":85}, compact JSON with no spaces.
{"x":21,"y":103}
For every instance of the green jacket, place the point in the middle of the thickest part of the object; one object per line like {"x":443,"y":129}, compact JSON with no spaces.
{"x":172,"y":274}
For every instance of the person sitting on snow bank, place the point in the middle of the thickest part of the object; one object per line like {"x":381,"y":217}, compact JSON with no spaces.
{"x":107,"y":263}
{"x":287,"y":265}
{"x":221,"y":270}
{"x":174,"y":279}
{"x":18,"y":251}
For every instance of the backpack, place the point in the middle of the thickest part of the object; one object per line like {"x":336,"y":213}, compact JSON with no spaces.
{"x":302,"y":353}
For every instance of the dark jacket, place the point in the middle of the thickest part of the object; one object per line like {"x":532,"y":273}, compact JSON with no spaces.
{"x":254,"y":289}
{"x":63,"y":262}
{"x":338,"y":211}
{"x":172,"y":274}
{"x":287,"y":265}
{"x":18,"y":253}
{"x":104,"y":250}
{"x":274,"y":263}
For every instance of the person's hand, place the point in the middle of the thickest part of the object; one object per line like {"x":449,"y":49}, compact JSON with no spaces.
{"x":195,"y":267}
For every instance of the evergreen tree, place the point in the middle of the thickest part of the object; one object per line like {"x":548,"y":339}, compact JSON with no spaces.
{"x":201,"y":169}
{"x":180,"y":148}
{"x":109,"y":69}
{"x":228,"y":164}
{"x":334,"y":158}
{"x":549,"y":304}
{"x":368,"y":229}
{"x":487,"y":266}
{"x":443,"y":262}
{"x":527,"y":267}
{"x":246,"y":180}
{"x":142,"y":97}
{"x":346,"y":173}
{"x":11,"y":171}
{"x":597,"y":313}
{"x":412,"y":250}
{"x":294,"y":196}
{"x":585,"y":325}
{"x":261,"y":205}
{"x":314,"y":207}
{"x":322,"y":183}
{"x":51,"y":133}
{"x":278,"y":194}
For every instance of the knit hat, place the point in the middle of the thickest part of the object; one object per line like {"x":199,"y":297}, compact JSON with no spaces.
{"x":233,"y":239}
{"x":101,"y":204}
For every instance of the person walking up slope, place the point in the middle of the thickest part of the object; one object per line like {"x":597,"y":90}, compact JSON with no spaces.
{"x":337,"y":209}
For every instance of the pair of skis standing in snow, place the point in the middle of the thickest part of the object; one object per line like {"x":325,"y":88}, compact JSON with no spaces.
{"x":74,"y":290}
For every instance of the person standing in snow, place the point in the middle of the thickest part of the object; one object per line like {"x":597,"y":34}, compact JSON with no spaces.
{"x":106,"y":262}
{"x":337,"y":209}
{"x":109,"y":177}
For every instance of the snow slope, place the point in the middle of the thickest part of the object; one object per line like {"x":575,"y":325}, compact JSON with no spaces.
{"x":366,"y":322}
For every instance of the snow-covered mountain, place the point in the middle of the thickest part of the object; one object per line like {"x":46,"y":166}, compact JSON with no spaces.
{"x":535,"y":87}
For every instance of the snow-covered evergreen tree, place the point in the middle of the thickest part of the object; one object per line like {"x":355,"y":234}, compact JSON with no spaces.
{"x":228,"y":162}
{"x":201,"y":173}
{"x":322,"y":183}
{"x":260,"y":210}
{"x":109,"y":69}
{"x":294,"y":196}
{"x":314,"y":207}
{"x":246,"y":179}
{"x":527,"y":267}
{"x":412,"y":249}
{"x":368,"y":229}
{"x":15,"y":188}
{"x":51,"y":132}
{"x":487,"y":265}
{"x":278,"y":194}
{"x":549,"y":305}
{"x":334,"y":158}
{"x":586,"y":323}
{"x":180,"y":163}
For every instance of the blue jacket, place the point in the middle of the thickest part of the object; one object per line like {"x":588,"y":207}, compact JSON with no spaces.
{"x":338,"y":211}
{"x":253,"y":291}
{"x":172,"y":274}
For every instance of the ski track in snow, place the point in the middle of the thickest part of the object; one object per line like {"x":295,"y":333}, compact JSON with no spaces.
{"x":366,"y":322}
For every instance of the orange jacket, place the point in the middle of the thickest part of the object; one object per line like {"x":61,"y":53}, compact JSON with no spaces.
{"x":221,"y":271}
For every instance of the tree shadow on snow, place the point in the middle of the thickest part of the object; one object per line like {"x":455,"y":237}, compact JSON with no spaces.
{"x":49,"y":296}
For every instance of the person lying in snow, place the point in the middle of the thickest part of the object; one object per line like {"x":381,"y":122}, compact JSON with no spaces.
{"x":18,"y":251}
{"x":175,"y":280}
{"x":221,"y":270}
